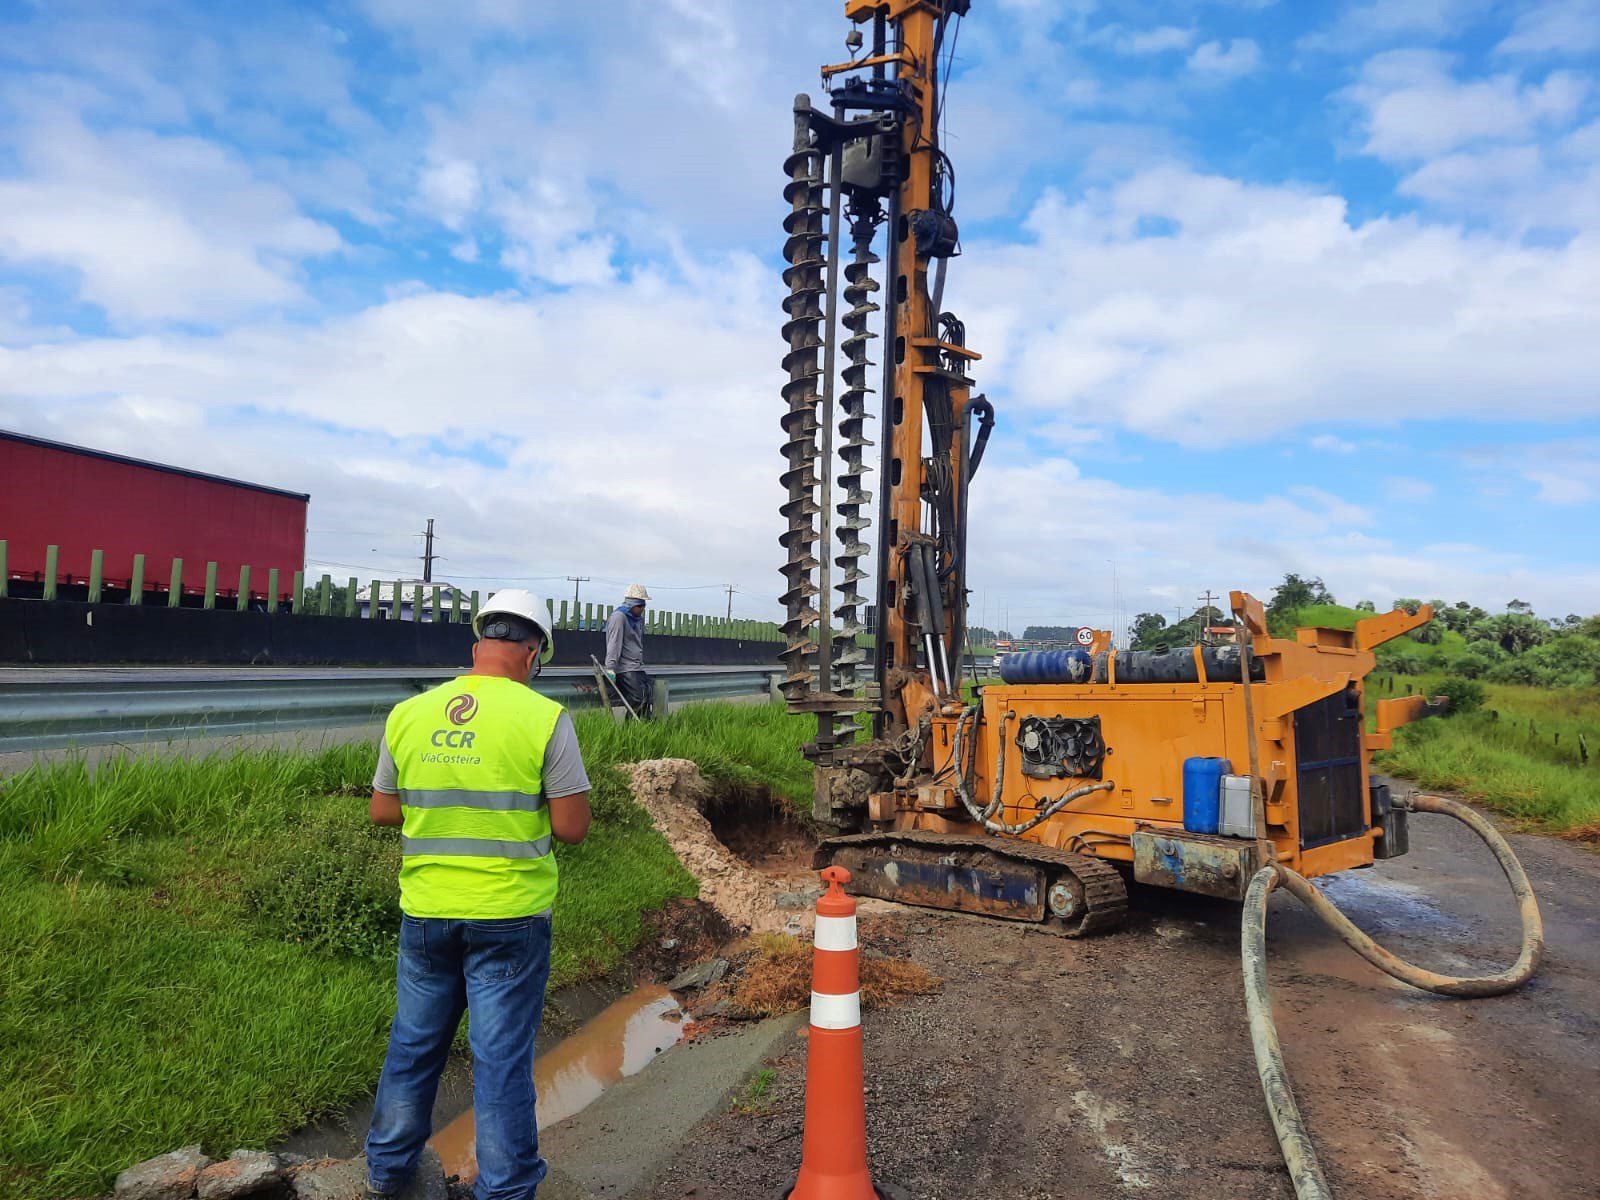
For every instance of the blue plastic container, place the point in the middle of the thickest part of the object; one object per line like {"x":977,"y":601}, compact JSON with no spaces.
{"x":1048,"y":666}
{"x":1202,"y":794}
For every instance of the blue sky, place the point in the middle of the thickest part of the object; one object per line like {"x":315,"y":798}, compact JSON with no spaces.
{"x":1261,"y":286}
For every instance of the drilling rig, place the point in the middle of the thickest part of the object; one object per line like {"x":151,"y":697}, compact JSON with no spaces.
{"x":1036,"y":800}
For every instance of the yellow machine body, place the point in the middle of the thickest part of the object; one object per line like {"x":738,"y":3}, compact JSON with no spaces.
{"x":1312,"y":821}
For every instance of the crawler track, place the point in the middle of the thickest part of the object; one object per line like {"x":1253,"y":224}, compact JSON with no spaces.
{"x":998,"y":877}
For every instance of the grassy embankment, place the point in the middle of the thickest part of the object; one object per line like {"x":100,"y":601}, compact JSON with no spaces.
{"x":203,"y":950}
{"x":1518,"y":754}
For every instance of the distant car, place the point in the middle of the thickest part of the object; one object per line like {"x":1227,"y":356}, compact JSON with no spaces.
{"x":996,"y":664}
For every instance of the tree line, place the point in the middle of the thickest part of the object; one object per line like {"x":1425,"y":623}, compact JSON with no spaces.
{"x":1513,"y":646}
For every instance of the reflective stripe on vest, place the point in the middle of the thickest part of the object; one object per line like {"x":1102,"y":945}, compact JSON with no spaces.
{"x":462,"y":798}
{"x":475,"y":832}
{"x":474,"y":847}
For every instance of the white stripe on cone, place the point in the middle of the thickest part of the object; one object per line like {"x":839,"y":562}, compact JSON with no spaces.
{"x":835,"y":1012}
{"x":836,"y":933}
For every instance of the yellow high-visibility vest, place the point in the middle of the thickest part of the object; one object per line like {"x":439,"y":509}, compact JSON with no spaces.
{"x":475,"y":838}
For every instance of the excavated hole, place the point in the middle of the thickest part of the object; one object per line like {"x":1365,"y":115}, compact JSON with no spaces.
{"x":760,"y":830}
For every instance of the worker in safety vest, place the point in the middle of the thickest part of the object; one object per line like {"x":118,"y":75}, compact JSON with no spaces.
{"x":625,"y":650}
{"x":479,"y":773}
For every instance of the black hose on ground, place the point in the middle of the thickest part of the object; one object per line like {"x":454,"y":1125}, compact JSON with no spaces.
{"x":1298,"y":1153}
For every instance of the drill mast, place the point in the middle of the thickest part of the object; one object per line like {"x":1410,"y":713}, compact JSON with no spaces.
{"x":876,"y":165}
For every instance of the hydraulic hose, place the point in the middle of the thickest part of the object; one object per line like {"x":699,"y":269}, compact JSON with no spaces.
{"x":1298,"y":1153}
{"x":985,"y":816}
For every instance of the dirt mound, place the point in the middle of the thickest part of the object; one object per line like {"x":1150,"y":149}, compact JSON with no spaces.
{"x":776,"y":979}
{"x":675,"y":794}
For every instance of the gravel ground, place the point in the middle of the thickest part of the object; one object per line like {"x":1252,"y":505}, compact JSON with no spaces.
{"x":1121,"y":1065}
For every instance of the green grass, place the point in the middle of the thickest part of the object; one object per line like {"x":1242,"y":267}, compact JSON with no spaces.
{"x":1508,"y":755}
{"x":1518,"y":755}
{"x":202,"y":950}
{"x":752,"y":1100}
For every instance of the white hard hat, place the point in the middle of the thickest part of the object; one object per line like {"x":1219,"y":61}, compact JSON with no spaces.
{"x":636,"y":592}
{"x":520,"y":602}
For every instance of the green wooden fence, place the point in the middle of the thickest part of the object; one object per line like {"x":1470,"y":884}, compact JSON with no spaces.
{"x":388,"y":599}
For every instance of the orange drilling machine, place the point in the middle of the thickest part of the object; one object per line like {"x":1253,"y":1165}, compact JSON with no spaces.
{"x":1188,"y":768}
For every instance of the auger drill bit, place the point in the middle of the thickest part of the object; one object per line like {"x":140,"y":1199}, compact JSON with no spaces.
{"x":854,"y":506}
{"x":803,"y":250}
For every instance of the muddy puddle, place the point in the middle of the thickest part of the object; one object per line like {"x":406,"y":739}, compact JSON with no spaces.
{"x":621,"y":1041}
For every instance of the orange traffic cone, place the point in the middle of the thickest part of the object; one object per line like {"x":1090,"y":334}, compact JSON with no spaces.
{"x":833,"y":1162}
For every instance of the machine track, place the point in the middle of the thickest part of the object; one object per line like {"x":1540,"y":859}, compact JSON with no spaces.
{"x":999,"y":877}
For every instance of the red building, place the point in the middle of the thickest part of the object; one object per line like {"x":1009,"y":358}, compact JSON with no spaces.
{"x":81,"y":500}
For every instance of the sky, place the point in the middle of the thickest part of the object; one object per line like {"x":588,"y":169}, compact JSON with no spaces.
{"x":1259,"y":286}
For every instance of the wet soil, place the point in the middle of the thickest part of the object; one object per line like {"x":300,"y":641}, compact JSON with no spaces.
{"x":1121,"y":1065}
{"x":741,"y":876}
{"x":761,"y":831}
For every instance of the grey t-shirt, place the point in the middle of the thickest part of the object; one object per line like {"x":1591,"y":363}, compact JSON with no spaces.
{"x":562,"y":771}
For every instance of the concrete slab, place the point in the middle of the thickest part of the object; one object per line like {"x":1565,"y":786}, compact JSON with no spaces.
{"x":627,"y":1135}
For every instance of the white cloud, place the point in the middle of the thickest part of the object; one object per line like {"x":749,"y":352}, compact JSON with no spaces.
{"x":1379,"y":22}
{"x":1564,"y":474}
{"x":1408,"y":489}
{"x":1213,"y":60}
{"x":1328,"y":443}
{"x":1558,"y":27}
{"x":154,"y":226}
{"x":1414,"y":108}
{"x":1266,"y":309}
{"x":1170,"y":544}
{"x":1554,"y":186}
{"x":1161,"y":39}
{"x":451,"y":191}
{"x":1495,"y":147}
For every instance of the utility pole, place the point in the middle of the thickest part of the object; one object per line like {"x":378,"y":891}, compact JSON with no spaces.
{"x":1205,"y":618}
{"x":1116,"y":603}
{"x":730,"y":589}
{"x":577,"y":581}
{"x":427,"y":553}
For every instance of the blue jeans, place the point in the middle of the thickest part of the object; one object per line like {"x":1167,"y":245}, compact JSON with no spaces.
{"x":496,"y":971}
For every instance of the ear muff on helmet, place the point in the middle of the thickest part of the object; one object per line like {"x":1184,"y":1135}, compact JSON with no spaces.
{"x":503,"y":627}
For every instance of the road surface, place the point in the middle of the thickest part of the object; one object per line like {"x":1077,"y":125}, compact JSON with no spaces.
{"x":1121,"y":1065}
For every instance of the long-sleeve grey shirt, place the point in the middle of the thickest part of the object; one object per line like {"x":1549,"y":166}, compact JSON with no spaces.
{"x":624,"y":643}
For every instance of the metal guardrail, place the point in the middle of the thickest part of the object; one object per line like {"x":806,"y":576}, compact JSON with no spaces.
{"x":43,"y":708}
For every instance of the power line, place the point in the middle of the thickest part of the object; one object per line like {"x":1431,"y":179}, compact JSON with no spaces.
{"x":577,"y":581}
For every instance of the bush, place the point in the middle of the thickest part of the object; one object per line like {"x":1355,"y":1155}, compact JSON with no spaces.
{"x":1477,"y":660}
{"x":1520,"y":671}
{"x":1404,"y":662}
{"x":335,"y":891}
{"x":1569,"y":658}
{"x":1465,"y":695}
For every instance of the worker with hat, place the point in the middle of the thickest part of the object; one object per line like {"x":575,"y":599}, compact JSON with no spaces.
{"x":625,"y":651}
{"x":480,"y":774}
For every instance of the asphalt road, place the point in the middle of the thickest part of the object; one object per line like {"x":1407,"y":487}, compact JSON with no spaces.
{"x":1121,"y":1065}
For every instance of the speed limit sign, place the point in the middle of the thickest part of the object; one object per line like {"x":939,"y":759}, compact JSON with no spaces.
{"x":1085,"y":637}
